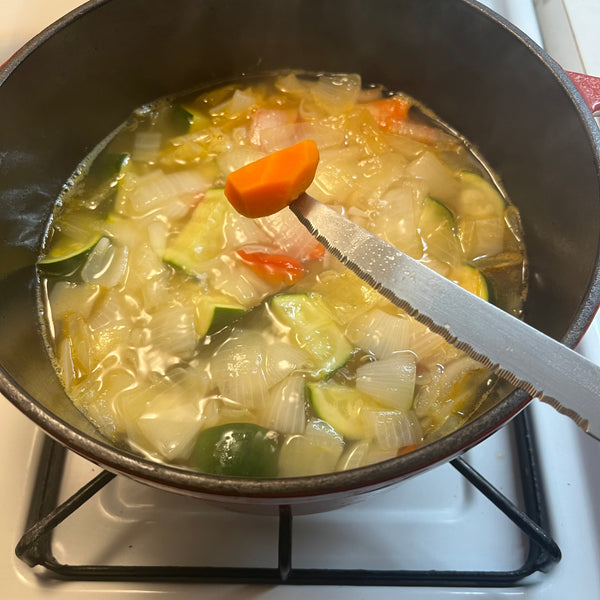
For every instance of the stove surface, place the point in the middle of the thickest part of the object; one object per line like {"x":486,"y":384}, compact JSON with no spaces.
{"x":434,"y":521}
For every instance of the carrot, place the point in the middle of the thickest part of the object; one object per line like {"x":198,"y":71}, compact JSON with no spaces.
{"x":389,"y":111}
{"x":269,"y":184}
{"x":406,"y":449}
{"x":274,"y":268}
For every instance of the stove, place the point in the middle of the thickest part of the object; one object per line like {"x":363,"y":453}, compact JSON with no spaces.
{"x":465,"y":529}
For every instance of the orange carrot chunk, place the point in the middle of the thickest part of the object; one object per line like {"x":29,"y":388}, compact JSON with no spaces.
{"x":269,"y":184}
{"x":274,"y":268}
{"x":389,"y":111}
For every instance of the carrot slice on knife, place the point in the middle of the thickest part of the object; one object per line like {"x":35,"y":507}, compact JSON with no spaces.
{"x":269,"y":184}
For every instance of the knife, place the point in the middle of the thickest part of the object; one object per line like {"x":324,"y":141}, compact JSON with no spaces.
{"x":519,"y":353}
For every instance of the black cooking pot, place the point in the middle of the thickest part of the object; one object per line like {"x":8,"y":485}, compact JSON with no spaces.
{"x":77,"y":81}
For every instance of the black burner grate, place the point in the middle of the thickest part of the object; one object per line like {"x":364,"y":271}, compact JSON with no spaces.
{"x":35,"y":547}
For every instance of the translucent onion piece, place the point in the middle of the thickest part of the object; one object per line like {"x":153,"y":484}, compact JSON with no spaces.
{"x":157,"y":190}
{"x":144,"y":265}
{"x":106,"y":264}
{"x":78,"y":334}
{"x":354,"y":456}
{"x":67,"y":370}
{"x":315,"y":452}
{"x":281,"y":360}
{"x":172,"y":330}
{"x":157,"y":236}
{"x":171,"y":423}
{"x":336,"y":175}
{"x":237,"y":368}
{"x":441,"y":396}
{"x":390,"y":381}
{"x":146,"y":146}
{"x":286,"y":412}
{"x":422,"y":341}
{"x":67,"y":298}
{"x":239,"y":231}
{"x":290,"y":235}
{"x":440,"y":179}
{"x":241,"y":101}
{"x":232,"y":278}
{"x":397,"y":219}
{"x":323,"y":135}
{"x":395,"y":430}
{"x":111,"y":309}
{"x":237,"y":157}
{"x":277,"y":138}
{"x":291,"y":84}
{"x":380,"y":333}
{"x":481,"y":237}
{"x":336,"y":93}
{"x":271,"y":127}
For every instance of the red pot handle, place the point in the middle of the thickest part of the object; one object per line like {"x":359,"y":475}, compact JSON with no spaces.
{"x":589,"y":88}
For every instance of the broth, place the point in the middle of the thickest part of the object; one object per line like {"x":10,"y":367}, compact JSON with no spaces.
{"x":210,"y":341}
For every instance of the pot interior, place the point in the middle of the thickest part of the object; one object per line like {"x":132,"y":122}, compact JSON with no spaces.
{"x":77,"y":82}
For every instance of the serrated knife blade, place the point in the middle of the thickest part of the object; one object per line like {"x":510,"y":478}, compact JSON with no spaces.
{"x":527,"y":358}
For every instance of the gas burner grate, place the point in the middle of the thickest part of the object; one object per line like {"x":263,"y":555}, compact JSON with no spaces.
{"x":35,"y":547}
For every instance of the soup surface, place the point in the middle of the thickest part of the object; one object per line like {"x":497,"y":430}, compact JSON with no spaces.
{"x":201,"y":338}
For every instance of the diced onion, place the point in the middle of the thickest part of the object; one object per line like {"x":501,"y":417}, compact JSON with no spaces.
{"x":286,"y":412}
{"x":238,"y":157}
{"x":172,"y":330}
{"x":157,"y":189}
{"x":146,"y":146}
{"x":290,"y":235}
{"x":273,"y":128}
{"x":67,"y":297}
{"x":157,"y":236}
{"x":395,"y":429}
{"x":234,"y":279}
{"x":106,"y":264}
{"x":380,"y":333}
{"x":171,"y":423}
{"x":354,"y":456}
{"x":481,"y":237}
{"x":336,"y":93}
{"x":315,"y":452}
{"x":238,"y":369}
{"x":391,"y":381}
{"x":440,"y":179}
{"x":281,"y":359}
{"x":241,"y":101}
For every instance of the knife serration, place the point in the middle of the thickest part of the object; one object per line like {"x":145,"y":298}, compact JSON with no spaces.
{"x":509,"y":347}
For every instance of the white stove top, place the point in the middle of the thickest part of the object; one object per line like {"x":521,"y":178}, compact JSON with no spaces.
{"x":434,"y":521}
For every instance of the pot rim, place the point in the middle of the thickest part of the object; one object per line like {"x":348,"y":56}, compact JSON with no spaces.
{"x":297,"y":489}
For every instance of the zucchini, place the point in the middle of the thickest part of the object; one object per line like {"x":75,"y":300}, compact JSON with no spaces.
{"x":213,"y":314}
{"x":437,"y":230}
{"x":184,"y":118}
{"x":472,"y":280}
{"x":312,"y":327}
{"x":345,"y":408}
{"x":202,"y":237}
{"x":74,"y":235}
{"x":479,"y":199}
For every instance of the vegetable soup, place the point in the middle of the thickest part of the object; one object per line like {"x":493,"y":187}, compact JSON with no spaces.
{"x":234,"y":346}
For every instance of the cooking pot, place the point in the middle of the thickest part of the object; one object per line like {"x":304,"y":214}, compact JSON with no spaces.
{"x":76,"y":82}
